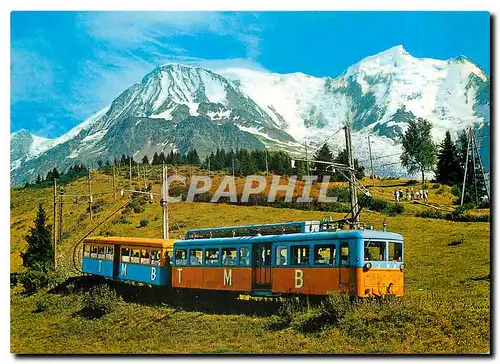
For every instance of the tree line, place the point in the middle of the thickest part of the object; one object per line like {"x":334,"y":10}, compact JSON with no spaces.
{"x":446,"y":159}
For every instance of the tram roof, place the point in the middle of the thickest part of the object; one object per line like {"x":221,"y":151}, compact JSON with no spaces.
{"x":320,"y":235}
{"x":165,"y":243}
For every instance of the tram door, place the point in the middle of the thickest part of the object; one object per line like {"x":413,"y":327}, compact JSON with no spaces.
{"x":346,"y":270}
{"x":262,"y":265}
{"x":116,"y":261}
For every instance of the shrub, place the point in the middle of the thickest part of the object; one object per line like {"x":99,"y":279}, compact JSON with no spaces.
{"x":44,"y":302}
{"x":122,"y":220}
{"x":203,"y":197}
{"x":144,"y":223}
{"x":98,"y":301}
{"x":343,"y":194}
{"x":34,"y":279}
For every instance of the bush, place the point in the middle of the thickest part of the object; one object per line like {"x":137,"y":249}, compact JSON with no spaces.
{"x":144,"y":223}
{"x":34,"y":279}
{"x":457,"y":215}
{"x":44,"y":302}
{"x":98,"y":301}
{"x":122,"y":220}
{"x":343,"y":194}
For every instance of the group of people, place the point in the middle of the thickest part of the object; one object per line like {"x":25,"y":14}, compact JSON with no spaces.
{"x":421,"y":194}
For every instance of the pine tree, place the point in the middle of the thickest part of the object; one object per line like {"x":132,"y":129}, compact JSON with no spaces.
{"x":39,"y":253}
{"x":161,"y":158}
{"x":342,"y":158}
{"x":145,"y":160}
{"x":323,"y":154}
{"x":448,"y":170}
{"x":419,"y":152}
{"x":38,"y":179}
{"x":156,"y":159}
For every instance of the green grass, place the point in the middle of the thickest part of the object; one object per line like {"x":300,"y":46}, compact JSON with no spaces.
{"x":445,"y":310}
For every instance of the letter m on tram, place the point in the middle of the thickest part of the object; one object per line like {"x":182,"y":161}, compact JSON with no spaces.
{"x":228,"y":281}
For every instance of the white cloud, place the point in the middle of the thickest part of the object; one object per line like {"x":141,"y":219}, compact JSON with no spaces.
{"x":128,"y":45}
{"x":31,"y":75}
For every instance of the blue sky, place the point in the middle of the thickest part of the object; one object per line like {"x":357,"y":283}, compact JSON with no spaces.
{"x":67,"y":65}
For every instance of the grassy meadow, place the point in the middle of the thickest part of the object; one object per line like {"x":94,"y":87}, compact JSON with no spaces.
{"x":446,"y":308}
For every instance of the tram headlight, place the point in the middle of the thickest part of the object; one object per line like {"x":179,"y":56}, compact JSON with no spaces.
{"x":402,"y":267}
{"x":367,"y":266}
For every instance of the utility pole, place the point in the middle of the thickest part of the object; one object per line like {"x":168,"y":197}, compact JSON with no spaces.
{"x":114,"y":188}
{"x":465,"y":171}
{"x":233,"y":165}
{"x":130,"y":171}
{"x":164,"y":195}
{"x":61,"y":192}
{"x":474,"y":169}
{"x":209,"y":166}
{"x":90,"y":197}
{"x":267,"y":166}
{"x":481,"y":166}
{"x":307,"y":159}
{"x":352,"y":178}
{"x":54,"y":238}
{"x":371,"y":160}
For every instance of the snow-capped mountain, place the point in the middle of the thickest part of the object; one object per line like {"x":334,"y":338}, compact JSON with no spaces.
{"x":182,"y":107}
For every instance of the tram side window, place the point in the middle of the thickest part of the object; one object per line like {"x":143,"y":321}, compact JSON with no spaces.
{"x":195,"y":256}
{"x":155,"y":257}
{"x":300,"y":255}
{"x":395,"y":252}
{"x":325,"y":254}
{"x":244,"y":254}
{"x":212,"y":256}
{"x":86,"y":250}
{"x":145,"y":256}
{"x":374,"y":250}
{"x":180,"y":257}
{"x":110,"y":252}
{"x":125,"y":255}
{"x":344,"y":253}
{"x":100,"y":252}
{"x":281,"y":255}
{"x":229,"y":256}
{"x":93,"y":251}
{"x":135,"y":257}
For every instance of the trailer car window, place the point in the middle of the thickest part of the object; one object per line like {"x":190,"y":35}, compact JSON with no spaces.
{"x":281,"y":255}
{"x":135,"y":257}
{"x":395,"y":251}
{"x":145,"y":256}
{"x":100,"y":252}
{"x":180,"y":257}
{"x":325,"y":254}
{"x":125,"y":255}
{"x":93,"y":251}
{"x":155,"y":257}
{"x":86,"y":250}
{"x":229,"y":256}
{"x":244,"y":254}
{"x":110,"y":252}
{"x":195,"y":256}
{"x":212,"y":256}
{"x":374,"y":250}
{"x":300,"y":254}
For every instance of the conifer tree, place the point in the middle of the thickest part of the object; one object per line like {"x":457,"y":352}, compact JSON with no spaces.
{"x":145,"y":160}
{"x":39,"y":253}
{"x":323,"y":154}
{"x":448,"y":164}
{"x":156,"y":159}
